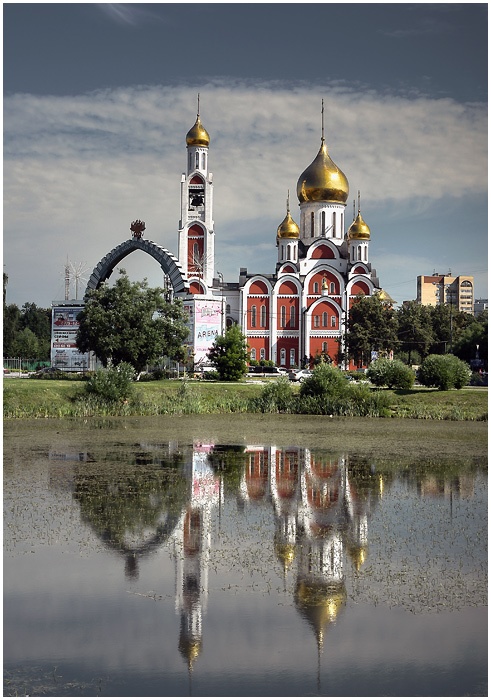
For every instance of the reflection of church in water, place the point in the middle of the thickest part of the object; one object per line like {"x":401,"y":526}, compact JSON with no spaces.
{"x":320,"y":502}
{"x":320,"y":520}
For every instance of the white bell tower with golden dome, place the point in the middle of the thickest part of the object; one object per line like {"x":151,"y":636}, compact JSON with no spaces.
{"x":196,"y":226}
{"x":322,"y":191}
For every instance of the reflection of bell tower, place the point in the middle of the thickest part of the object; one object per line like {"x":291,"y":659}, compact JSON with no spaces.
{"x":196,"y":236}
{"x":192,"y":554}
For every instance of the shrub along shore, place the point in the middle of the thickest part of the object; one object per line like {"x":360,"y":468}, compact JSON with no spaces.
{"x":35,"y":398}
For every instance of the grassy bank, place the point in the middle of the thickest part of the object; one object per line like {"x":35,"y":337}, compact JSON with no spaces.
{"x":30,"y":398}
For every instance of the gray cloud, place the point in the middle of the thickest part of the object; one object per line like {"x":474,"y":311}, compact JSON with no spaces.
{"x":78,"y":170}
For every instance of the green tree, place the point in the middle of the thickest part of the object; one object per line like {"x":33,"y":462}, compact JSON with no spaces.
{"x":448,"y":324}
{"x":25,"y":344}
{"x":11,"y":326}
{"x":414,"y":329}
{"x":228,"y":354}
{"x":474,"y":335}
{"x":371,"y":326}
{"x":444,"y":372}
{"x":131,"y":322}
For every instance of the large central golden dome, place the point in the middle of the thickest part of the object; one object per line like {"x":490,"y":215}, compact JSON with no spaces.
{"x":322,"y":181}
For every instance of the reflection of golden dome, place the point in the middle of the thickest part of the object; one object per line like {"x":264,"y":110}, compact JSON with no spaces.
{"x":285,"y":553}
{"x":358,"y":555}
{"x":190,"y":649}
{"x":320,"y":604}
{"x":322,"y":181}
{"x":359,"y":231}
{"x":197,"y":135}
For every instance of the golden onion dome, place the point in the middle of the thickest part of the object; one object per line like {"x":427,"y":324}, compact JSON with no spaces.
{"x":197,"y":135}
{"x":322,"y":181}
{"x":288,"y":228}
{"x":359,"y":230}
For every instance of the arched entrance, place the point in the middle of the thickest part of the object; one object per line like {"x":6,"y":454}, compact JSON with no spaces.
{"x":168,"y":262}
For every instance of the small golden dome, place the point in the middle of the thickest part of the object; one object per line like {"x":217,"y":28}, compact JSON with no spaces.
{"x":197,"y":135}
{"x":288,"y":228}
{"x":385,"y":296}
{"x":359,"y":230}
{"x":322,"y":181}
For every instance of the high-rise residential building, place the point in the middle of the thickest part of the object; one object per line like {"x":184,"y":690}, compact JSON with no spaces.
{"x":436,"y":289}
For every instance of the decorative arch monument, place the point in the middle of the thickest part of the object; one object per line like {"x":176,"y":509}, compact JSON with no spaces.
{"x":64,"y":352}
{"x":168,"y":262}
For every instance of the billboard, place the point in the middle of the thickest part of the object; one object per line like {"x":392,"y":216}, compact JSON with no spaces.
{"x":205,"y":324}
{"x":64,"y":352}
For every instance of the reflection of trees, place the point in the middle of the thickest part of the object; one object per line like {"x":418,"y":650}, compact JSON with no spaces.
{"x":133,"y":510}
{"x":228,"y":462}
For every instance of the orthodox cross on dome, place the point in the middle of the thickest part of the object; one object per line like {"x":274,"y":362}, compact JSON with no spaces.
{"x":359,"y":209}
{"x":137,"y":228}
{"x":288,"y":202}
{"x":322,"y":121}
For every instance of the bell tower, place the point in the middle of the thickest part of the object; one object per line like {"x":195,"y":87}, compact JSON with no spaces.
{"x":196,"y":235}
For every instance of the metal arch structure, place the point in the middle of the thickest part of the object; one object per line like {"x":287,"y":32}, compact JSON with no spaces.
{"x":168,"y":262}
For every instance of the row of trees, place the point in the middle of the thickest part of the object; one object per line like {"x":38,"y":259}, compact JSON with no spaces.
{"x":414,"y":331}
{"x":133,"y":323}
{"x":26,"y":331}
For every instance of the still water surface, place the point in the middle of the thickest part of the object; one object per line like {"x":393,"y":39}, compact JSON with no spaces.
{"x":144,"y":563}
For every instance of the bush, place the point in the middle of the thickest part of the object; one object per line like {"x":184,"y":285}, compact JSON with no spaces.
{"x":391,"y":373}
{"x":112,"y":384}
{"x":444,"y":372}
{"x":276,"y":397}
{"x":325,"y":380}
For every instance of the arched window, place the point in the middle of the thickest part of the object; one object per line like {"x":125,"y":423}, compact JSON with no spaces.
{"x":203,"y":161}
{"x":324,"y":319}
{"x":359,"y":252}
{"x":324,"y":347}
{"x":283,"y":317}
{"x":227,"y":309}
{"x":190,"y":160}
{"x":312,"y":224}
{"x":292,"y":316}
{"x":316,"y":321}
{"x":333,"y":321}
{"x":323,"y":223}
{"x":292,"y":357}
{"x":316,"y":288}
{"x":197,"y":159}
{"x":366,"y":254}
{"x":282,"y":356}
{"x":262,"y":354}
{"x":333,"y":288}
{"x":253,"y":354}
{"x":253,"y":316}
{"x":289,"y":252}
{"x":263,"y":315}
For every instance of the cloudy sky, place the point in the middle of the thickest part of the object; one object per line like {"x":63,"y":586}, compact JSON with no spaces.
{"x":98,"y":99}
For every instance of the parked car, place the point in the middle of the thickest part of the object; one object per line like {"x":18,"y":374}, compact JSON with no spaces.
{"x":299,"y":375}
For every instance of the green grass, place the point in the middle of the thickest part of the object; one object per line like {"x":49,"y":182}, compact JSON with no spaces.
{"x":32,"y":398}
